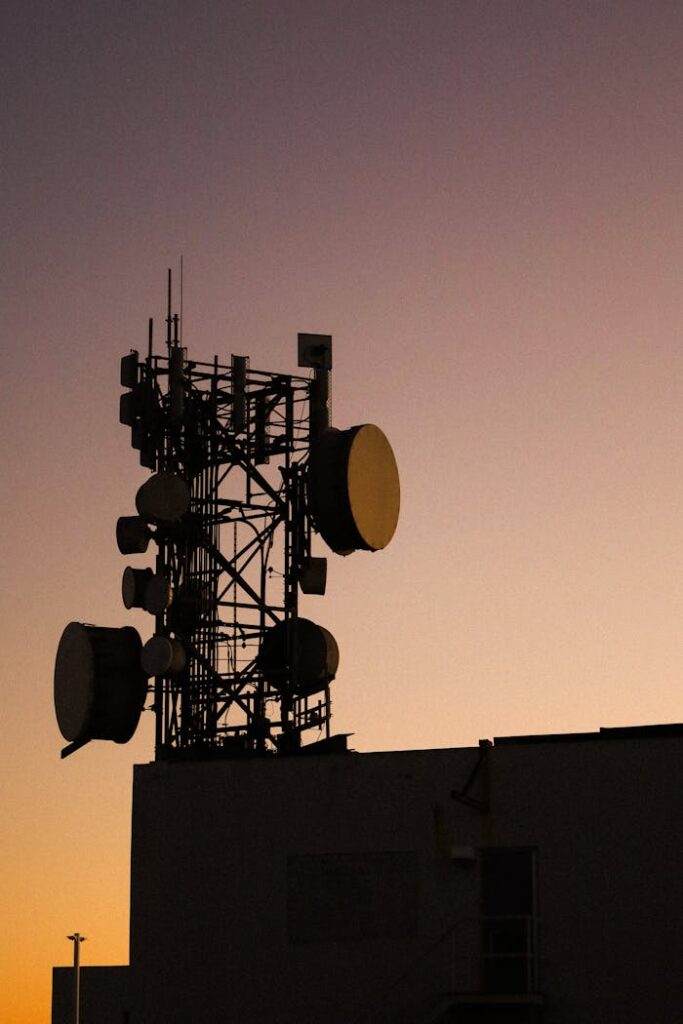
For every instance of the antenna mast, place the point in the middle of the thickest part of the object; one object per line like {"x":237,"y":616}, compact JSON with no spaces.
{"x":243,"y":459}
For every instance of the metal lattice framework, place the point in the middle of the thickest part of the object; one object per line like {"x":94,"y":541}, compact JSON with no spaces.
{"x":245,"y":467}
{"x":240,"y":438}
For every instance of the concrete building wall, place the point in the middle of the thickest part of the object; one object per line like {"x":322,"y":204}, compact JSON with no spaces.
{"x":230,"y":858}
{"x":606,"y":817}
{"x":221,"y":848}
{"x":351,"y":889}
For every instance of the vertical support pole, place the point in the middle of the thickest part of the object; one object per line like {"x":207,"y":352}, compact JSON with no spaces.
{"x":77,"y":978}
{"x":161,"y":737}
{"x":77,"y":938}
{"x":293,"y":556}
{"x":238,"y":411}
{"x":286,"y":700}
{"x":319,"y":413}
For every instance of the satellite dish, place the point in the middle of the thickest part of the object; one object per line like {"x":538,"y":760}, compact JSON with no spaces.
{"x":313,"y":576}
{"x":99,"y":687}
{"x":162,"y":656}
{"x":132,"y":535}
{"x":317,"y":656}
{"x":354,"y":489}
{"x":164,"y":498}
{"x":158,"y":594}
{"x":133,"y":586}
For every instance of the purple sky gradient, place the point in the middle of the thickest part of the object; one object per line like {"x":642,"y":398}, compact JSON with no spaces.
{"x":482,"y":203}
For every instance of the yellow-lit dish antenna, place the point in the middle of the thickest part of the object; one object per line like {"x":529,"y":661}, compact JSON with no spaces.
{"x":354,"y":489}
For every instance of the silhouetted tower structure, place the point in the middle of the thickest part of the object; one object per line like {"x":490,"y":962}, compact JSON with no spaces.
{"x":245,"y":469}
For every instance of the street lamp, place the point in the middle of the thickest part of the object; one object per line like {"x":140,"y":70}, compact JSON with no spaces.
{"x":77,"y":938}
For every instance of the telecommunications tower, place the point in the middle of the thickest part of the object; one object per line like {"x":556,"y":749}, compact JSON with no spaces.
{"x":245,"y":470}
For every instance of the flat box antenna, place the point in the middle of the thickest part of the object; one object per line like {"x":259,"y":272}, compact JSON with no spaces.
{"x":315,"y":351}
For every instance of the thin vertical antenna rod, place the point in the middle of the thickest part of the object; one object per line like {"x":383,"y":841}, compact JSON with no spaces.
{"x":169,"y":318}
{"x":150,"y":338}
{"x":181,"y":298}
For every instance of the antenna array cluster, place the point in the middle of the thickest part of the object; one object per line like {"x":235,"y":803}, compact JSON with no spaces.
{"x":245,"y":470}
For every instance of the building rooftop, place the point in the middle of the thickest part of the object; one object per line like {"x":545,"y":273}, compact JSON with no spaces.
{"x":630,"y":732}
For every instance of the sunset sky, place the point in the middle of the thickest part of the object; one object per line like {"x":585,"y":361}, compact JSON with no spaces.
{"x":481,"y":202}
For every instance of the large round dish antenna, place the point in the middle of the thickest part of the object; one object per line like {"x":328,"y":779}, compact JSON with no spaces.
{"x":354,"y":489}
{"x":164,"y":498}
{"x":99,"y":686}
{"x":133,"y":586}
{"x":158,"y":594}
{"x":163,"y":656}
{"x":132,"y":535}
{"x":315,"y":653}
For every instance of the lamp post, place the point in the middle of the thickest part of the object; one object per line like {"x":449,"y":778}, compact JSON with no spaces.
{"x":77,"y":938}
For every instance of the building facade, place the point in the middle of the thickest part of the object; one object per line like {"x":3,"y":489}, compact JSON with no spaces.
{"x":529,"y":879}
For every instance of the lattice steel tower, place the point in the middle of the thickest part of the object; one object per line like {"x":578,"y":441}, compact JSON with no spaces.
{"x":245,"y":469}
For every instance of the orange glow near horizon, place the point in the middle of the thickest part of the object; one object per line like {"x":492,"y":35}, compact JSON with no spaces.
{"x":481,"y":203}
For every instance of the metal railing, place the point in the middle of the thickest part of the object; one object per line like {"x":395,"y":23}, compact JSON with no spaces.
{"x":479,"y":956}
{"x":509,"y":953}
